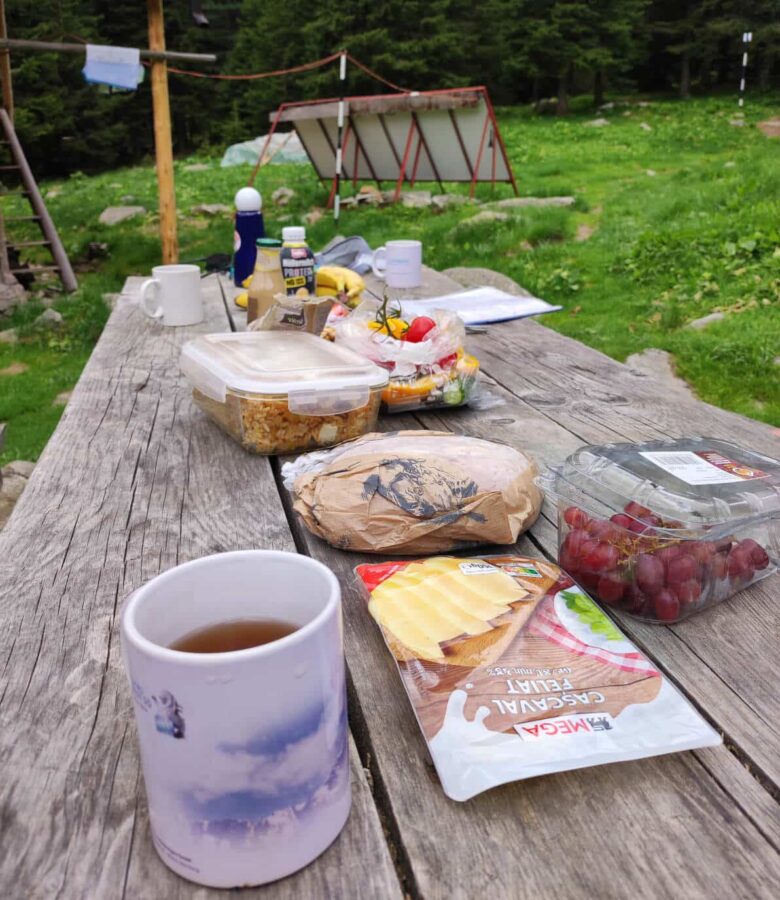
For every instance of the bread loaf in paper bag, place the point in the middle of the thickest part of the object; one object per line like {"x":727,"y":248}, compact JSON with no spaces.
{"x":415,"y":492}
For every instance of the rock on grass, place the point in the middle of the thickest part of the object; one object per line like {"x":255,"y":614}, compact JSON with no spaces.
{"x":113,"y":215}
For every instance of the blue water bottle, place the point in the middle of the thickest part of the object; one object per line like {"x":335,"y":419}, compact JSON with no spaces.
{"x":249,"y":227}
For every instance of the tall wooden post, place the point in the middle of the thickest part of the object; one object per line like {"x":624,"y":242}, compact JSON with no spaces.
{"x":163,"y":145}
{"x":5,"y":68}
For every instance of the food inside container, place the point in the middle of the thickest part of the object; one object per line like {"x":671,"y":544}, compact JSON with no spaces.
{"x":664,"y":529}
{"x":283,"y":392}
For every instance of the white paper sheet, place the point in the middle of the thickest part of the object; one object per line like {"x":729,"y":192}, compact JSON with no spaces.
{"x":481,"y":306}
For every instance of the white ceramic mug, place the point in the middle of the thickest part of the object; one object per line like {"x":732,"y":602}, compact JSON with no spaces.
{"x":245,"y":755}
{"x":399,"y":263}
{"x":177,"y":299}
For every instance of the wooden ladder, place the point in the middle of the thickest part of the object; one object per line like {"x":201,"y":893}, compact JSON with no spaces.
{"x":29,"y":189}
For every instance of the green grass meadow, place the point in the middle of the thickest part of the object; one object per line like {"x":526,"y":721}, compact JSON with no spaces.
{"x":681,"y":206}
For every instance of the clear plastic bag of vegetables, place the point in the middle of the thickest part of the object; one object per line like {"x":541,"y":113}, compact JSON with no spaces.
{"x":425,"y":355}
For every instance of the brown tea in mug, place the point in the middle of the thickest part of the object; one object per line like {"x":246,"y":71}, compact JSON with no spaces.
{"x":240,"y":634}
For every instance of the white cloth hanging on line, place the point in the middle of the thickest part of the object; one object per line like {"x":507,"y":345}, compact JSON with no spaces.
{"x":119,"y":67}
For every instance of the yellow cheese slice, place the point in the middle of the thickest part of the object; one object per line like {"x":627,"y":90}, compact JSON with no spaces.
{"x":404,"y":629}
{"x":434,"y":601}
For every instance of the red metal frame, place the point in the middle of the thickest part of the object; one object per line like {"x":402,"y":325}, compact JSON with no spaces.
{"x":416,"y":155}
{"x":404,"y":161}
{"x":497,"y":135}
{"x":479,"y":157}
{"x":498,"y":141}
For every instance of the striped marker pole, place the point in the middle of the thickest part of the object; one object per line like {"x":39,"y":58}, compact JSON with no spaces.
{"x":340,"y":124}
{"x":747,"y":37}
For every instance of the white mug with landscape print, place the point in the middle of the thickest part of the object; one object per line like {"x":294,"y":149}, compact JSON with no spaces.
{"x":244,"y":753}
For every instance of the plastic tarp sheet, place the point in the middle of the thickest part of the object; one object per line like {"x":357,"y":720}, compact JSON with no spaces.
{"x":283,"y":148}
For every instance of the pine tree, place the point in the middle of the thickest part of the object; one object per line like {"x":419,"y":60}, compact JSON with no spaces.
{"x":617,"y":42}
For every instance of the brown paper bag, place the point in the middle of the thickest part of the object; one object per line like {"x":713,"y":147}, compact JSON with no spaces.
{"x":414,"y":504}
{"x":304,"y":314}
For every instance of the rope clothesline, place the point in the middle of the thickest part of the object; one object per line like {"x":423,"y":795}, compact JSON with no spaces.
{"x":254,"y":76}
{"x":304,"y":67}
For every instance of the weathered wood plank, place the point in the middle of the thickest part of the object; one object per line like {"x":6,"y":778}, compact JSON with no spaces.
{"x":133,"y":481}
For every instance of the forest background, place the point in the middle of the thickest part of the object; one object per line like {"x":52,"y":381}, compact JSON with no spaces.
{"x":523,"y":50}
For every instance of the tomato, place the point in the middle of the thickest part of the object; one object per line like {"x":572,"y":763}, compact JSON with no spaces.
{"x":446,"y":361}
{"x":419,"y":329}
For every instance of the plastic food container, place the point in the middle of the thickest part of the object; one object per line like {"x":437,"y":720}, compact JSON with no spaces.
{"x":281,"y":391}
{"x":665,"y":529}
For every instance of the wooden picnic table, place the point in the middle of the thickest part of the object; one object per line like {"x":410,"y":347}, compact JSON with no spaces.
{"x":136,"y":480}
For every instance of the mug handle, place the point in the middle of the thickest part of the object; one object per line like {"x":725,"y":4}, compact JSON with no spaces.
{"x":145,"y":288}
{"x":380,"y":252}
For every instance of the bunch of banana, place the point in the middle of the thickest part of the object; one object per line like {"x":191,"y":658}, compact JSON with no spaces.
{"x":338,"y":281}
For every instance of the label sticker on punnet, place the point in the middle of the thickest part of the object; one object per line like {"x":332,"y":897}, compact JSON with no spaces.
{"x":701,"y":466}
{"x":563,"y":725}
{"x":477,"y":568}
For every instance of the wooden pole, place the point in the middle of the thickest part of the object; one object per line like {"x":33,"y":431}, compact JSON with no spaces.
{"x":163,"y":144}
{"x":59,"y":47}
{"x":5,"y":68}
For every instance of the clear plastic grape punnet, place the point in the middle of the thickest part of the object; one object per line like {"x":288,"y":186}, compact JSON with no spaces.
{"x":664,"y":529}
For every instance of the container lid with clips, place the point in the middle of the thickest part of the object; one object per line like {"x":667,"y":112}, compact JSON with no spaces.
{"x":689,"y":483}
{"x":276,"y":363}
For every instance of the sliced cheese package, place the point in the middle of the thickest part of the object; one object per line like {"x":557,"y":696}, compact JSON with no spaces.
{"x":514,"y":672}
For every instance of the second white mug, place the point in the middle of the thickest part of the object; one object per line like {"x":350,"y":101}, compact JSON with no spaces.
{"x":172,"y":294}
{"x":399,"y":263}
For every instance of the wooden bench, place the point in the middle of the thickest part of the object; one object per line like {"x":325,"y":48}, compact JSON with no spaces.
{"x":136,"y":480}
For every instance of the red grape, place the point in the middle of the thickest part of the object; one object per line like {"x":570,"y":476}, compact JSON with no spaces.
{"x":574,"y":541}
{"x":667,"y":554}
{"x":588,"y":580}
{"x":603,"y":530}
{"x":649,"y":573}
{"x":688,"y":592}
{"x":587,"y":548}
{"x":636,"y":510}
{"x":666,"y":605}
{"x":602,"y":558}
{"x":720,"y":565}
{"x":635,"y":600}
{"x":756,"y":553}
{"x":611,"y":587}
{"x":621,"y":520}
{"x":575,"y":517}
{"x":567,"y":560}
{"x":701,"y":551}
{"x":682,"y":569}
{"x":738,"y":563}
{"x":637,"y":527}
